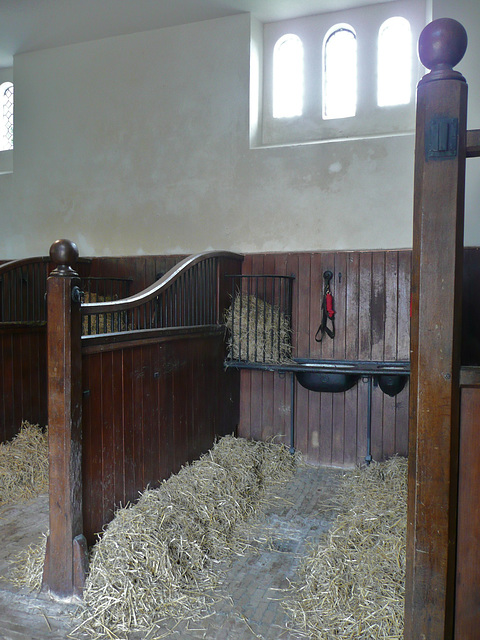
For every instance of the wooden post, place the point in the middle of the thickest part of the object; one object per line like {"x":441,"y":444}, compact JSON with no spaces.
{"x":435,"y":334}
{"x":66,"y":557}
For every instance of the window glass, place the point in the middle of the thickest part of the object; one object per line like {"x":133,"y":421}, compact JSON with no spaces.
{"x":6,"y":113}
{"x":340,"y":72}
{"x":288,"y":77}
{"x":394,"y":62}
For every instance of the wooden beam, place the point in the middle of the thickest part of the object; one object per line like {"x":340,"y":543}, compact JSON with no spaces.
{"x":435,"y":334}
{"x":66,"y":556}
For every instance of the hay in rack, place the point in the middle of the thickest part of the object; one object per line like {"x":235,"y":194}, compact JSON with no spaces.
{"x":352,"y":584}
{"x":24,"y":465}
{"x":258,"y":331}
{"x":97,"y":323}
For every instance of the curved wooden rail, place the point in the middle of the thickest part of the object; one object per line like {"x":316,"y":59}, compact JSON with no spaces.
{"x":187,"y":295}
{"x":158,"y":287}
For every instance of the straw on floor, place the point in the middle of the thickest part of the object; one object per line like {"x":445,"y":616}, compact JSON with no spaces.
{"x":24,"y":465}
{"x":159,"y":558}
{"x":352,"y":584}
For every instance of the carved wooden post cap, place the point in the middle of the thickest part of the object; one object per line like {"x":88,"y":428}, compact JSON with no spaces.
{"x":64,"y":254}
{"x":441,"y":46}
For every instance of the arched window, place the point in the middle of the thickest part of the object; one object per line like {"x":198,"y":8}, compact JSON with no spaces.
{"x":6,"y":116}
{"x":394,"y":65}
{"x":340,"y":72}
{"x":288,"y":77}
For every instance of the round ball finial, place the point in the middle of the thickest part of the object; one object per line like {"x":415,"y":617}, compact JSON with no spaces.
{"x":64,"y":253}
{"x":442,"y":44}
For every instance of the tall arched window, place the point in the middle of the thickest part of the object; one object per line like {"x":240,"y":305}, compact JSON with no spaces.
{"x":394,"y":65}
{"x":6,"y":116}
{"x":340,"y":72}
{"x":288,"y":77}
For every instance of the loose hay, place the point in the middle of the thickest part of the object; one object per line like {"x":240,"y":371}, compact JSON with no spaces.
{"x":258,"y":331}
{"x":27,"y":566}
{"x":24,"y":465}
{"x":157,"y":558}
{"x":352,"y":585}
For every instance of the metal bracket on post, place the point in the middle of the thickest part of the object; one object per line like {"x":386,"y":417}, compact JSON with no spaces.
{"x":441,"y":138}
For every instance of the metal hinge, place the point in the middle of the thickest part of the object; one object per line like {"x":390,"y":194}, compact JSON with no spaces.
{"x":441,"y":138}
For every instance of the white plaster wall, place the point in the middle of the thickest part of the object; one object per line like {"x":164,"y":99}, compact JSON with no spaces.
{"x":140,"y":143}
{"x":468,"y":13}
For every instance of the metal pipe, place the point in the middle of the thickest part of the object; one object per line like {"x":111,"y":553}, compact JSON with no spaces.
{"x":292,"y":413}
{"x":368,"y":457}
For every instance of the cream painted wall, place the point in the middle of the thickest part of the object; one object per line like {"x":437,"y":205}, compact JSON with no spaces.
{"x":140,"y":144}
{"x":468,"y":13}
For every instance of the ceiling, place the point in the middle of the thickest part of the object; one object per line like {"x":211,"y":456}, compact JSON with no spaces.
{"x":30,"y":25}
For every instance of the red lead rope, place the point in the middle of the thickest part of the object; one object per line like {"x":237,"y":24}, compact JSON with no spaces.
{"x":329,"y":303}
{"x":328,"y":312}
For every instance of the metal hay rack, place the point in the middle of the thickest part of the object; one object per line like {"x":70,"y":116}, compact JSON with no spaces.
{"x":259,"y":319}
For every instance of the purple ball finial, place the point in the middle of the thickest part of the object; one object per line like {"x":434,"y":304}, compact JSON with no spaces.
{"x":442,"y":45}
{"x":64,"y":254}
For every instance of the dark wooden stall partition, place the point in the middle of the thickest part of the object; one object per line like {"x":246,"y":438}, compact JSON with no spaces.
{"x":129,"y":406}
{"x":23,"y":346}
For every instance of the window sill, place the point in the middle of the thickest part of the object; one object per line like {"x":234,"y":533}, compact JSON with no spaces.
{"x":352,"y":138}
{"x":6,"y":162}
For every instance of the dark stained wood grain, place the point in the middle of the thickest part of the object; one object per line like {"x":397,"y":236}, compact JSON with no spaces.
{"x":64,"y":568}
{"x":467,"y":591}
{"x":435,"y":347}
{"x":372,"y":301}
{"x":171,"y":391}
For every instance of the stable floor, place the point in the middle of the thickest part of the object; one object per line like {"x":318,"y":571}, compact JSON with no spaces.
{"x":249,"y":604}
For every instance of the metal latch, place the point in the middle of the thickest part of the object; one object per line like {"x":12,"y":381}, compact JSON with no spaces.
{"x":441,"y":138}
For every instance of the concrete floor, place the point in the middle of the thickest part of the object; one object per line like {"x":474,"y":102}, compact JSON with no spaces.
{"x":250,"y":595}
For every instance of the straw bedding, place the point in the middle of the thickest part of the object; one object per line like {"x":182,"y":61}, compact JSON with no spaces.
{"x":258,"y":331}
{"x":352,"y":585}
{"x":157,"y":559}
{"x":24,"y":465}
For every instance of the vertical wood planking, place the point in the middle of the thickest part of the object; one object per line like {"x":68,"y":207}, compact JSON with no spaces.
{"x":390,"y":348}
{"x":467,"y":595}
{"x":302,"y":335}
{"x":313,"y":309}
{"x":340,"y":433}
{"x":352,"y":311}
{"x":378,"y":306}
{"x":372,"y":322}
{"x":165,"y":392}
{"x":268,"y":380}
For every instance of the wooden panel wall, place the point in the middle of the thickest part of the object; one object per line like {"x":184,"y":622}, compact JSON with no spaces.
{"x":143,"y":270}
{"x":174,"y":396}
{"x":467,"y":592}
{"x":23,"y":379}
{"x":23,"y":374}
{"x":372,"y":302}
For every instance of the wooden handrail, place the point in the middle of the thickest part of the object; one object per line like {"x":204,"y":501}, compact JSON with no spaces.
{"x":158,"y":287}
{"x":22,"y":262}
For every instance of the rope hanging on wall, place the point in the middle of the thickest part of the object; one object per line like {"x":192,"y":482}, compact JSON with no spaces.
{"x":328,"y":312}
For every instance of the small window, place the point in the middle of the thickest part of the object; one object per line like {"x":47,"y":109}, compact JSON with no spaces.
{"x":6,"y":123}
{"x":340,"y":72}
{"x":394,"y":62}
{"x":288,"y":77}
